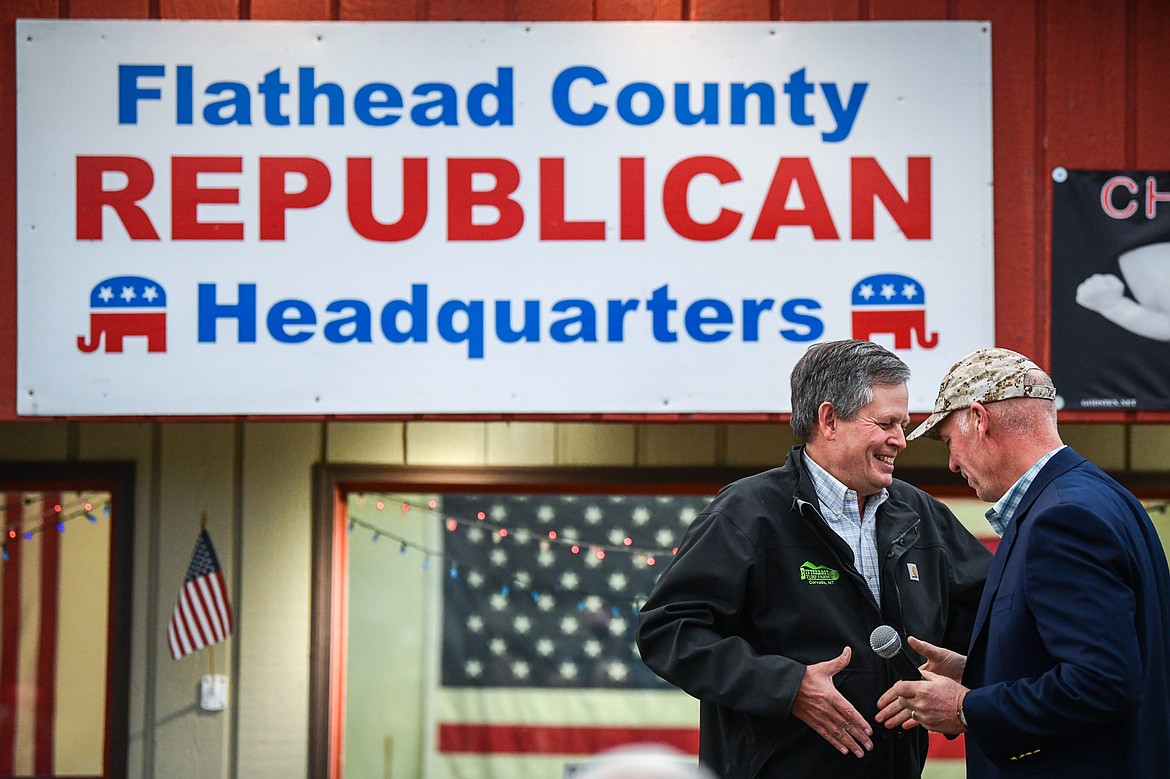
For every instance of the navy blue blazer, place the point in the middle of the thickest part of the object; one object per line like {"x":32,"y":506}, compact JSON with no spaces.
{"x":1069,"y":664}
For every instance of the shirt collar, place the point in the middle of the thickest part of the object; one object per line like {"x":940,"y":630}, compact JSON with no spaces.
{"x":1000,"y":515}
{"x":832,"y":493}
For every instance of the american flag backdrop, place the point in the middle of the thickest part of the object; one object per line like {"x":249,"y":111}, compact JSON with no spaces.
{"x":539,"y":607}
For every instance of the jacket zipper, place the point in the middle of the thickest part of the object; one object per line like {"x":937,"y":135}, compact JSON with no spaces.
{"x":894,"y":576}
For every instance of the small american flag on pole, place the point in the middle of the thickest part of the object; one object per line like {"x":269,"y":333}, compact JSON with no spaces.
{"x":203,"y":615}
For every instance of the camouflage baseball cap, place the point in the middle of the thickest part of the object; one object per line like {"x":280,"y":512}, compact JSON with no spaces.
{"x":984,"y":376}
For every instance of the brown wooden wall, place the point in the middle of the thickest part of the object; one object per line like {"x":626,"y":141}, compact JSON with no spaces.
{"x":1076,"y":83}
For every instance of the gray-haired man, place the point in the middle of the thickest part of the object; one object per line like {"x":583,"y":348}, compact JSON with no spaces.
{"x":765,"y":613}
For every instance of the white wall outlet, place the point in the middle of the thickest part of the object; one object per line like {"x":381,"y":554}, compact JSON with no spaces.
{"x":213,"y":692}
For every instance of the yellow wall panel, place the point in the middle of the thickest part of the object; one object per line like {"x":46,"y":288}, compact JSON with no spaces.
{"x":521,"y":443}
{"x":585,"y":444}
{"x":365,"y":442}
{"x":681,"y":445}
{"x":445,"y":443}
{"x":1150,"y":447}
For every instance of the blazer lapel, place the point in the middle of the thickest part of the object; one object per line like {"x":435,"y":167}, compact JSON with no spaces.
{"x":994,"y":575}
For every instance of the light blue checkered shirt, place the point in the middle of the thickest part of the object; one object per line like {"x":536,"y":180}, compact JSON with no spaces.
{"x":1000,"y":515}
{"x":839,"y":508}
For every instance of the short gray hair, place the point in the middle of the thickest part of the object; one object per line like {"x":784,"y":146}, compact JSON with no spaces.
{"x":843,"y":373}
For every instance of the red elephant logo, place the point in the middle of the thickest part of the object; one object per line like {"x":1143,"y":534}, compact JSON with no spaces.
{"x":891,"y":304}
{"x":125,"y":306}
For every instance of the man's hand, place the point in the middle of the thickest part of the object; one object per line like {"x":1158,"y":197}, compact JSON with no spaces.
{"x":933,"y":703}
{"x":822,"y":708}
{"x":939,"y":660}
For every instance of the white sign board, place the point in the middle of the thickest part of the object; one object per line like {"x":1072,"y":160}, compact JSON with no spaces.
{"x":367,"y":218}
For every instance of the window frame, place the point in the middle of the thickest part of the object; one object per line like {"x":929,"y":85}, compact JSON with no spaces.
{"x":331,"y":485}
{"x":117,"y":479}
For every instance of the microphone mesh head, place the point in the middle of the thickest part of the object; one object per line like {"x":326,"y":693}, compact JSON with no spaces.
{"x":885,"y":641}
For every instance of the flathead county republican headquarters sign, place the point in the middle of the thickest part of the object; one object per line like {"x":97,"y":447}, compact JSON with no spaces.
{"x":335,"y":218}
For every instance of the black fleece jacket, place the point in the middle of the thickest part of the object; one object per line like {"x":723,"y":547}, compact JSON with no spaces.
{"x":761,"y":587}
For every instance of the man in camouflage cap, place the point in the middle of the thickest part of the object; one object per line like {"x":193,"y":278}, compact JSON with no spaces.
{"x":1068,"y":670}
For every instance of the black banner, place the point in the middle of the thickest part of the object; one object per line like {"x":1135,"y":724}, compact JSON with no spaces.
{"x":1111,"y":289}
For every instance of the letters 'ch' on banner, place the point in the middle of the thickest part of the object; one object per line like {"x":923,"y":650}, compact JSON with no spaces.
{"x":1111,"y":289}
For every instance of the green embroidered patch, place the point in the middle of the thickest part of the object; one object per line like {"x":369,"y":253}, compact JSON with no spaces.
{"x":818,"y":574}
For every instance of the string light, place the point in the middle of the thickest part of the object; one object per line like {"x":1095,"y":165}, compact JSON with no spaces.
{"x":646,"y":557}
{"x":454,"y":523}
{"x":55,"y":516}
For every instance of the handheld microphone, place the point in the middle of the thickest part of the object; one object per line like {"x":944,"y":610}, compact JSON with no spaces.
{"x":887,"y":644}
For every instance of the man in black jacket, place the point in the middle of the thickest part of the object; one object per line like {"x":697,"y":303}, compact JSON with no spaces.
{"x":765,"y":613}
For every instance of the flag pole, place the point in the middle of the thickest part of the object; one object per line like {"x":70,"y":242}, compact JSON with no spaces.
{"x":211,"y":649}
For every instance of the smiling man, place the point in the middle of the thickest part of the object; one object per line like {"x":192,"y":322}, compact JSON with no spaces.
{"x":765,"y":613}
